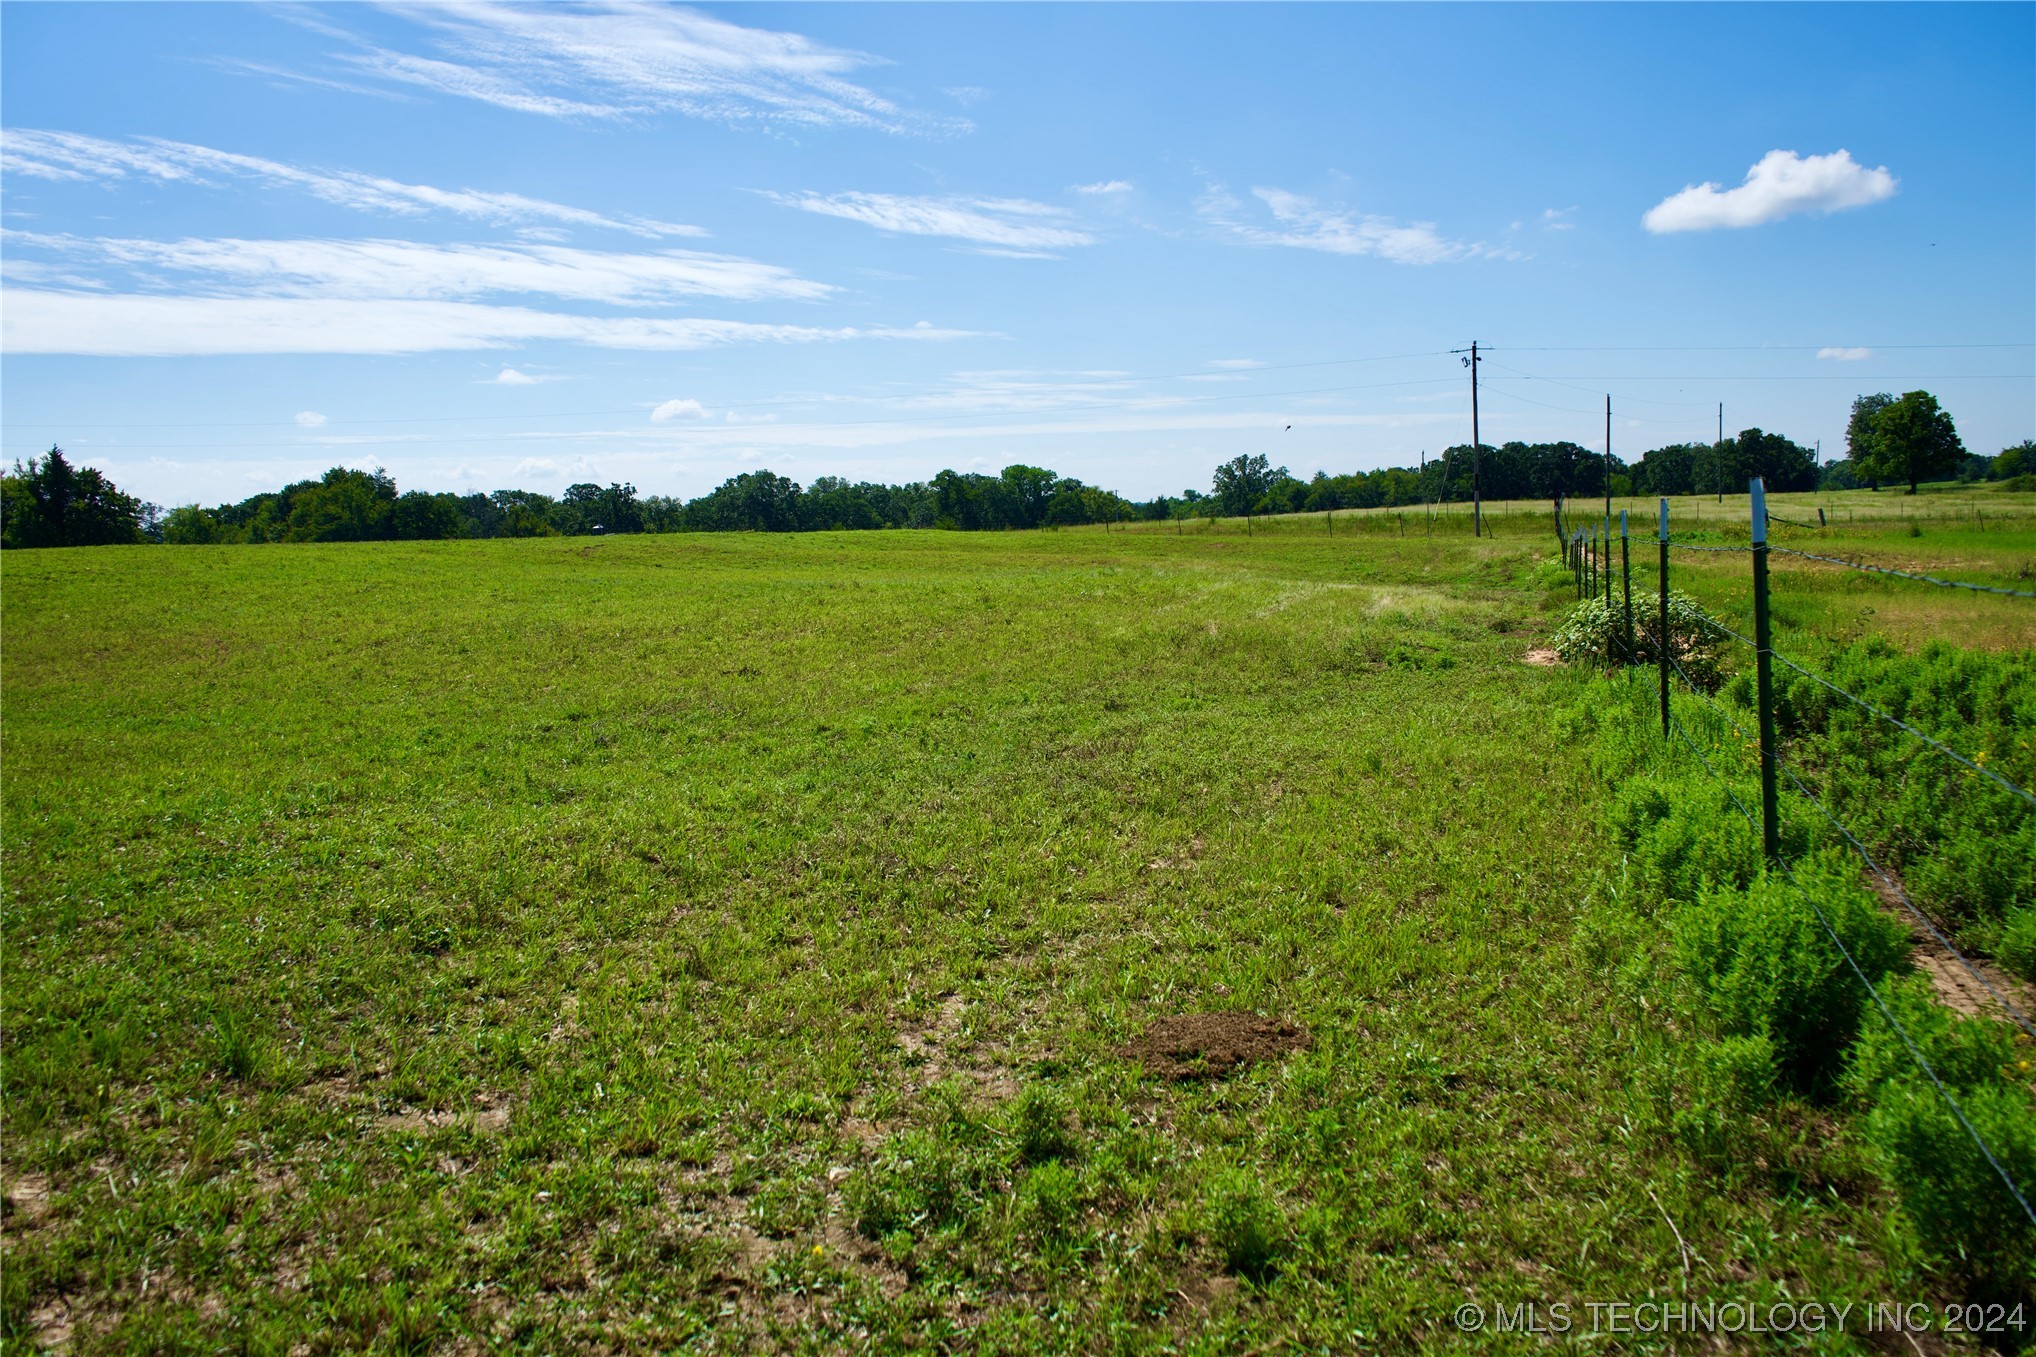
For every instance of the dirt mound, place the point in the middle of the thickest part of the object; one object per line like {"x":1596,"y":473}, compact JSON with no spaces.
{"x":1211,"y":1045}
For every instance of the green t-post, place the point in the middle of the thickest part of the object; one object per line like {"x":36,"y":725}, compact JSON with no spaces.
{"x":1770,"y":824}
{"x":1626,"y":581}
{"x":1661,"y":576}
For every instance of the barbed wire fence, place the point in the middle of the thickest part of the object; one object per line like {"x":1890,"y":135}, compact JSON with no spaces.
{"x":1588,"y":554}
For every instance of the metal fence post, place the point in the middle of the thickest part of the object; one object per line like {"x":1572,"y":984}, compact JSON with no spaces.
{"x":1770,"y":824}
{"x":1608,"y":568}
{"x":1662,"y":640}
{"x":1626,"y":578}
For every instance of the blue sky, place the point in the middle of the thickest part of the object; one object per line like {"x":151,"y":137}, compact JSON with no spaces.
{"x":486,"y":246}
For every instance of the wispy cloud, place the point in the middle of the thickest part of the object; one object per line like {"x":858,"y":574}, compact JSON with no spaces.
{"x":1003,"y":224}
{"x":1845,"y":355}
{"x":1302,"y":223}
{"x":511,"y":377}
{"x":1106,"y":188}
{"x":1557,"y":219}
{"x":624,"y":59}
{"x":38,"y":321}
{"x":678,"y":409}
{"x":1782,"y":184}
{"x":1235,"y":363}
{"x":75,"y":156}
{"x":411,"y":270}
{"x":309,"y":419}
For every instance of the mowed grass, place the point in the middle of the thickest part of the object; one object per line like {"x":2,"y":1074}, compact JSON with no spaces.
{"x":731,"y":942}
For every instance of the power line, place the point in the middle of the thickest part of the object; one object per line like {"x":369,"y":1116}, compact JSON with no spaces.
{"x":746,"y":405}
{"x":1149,"y":403}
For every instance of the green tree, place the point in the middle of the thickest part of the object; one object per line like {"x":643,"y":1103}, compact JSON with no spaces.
{"x":1030,"y":489}
{"x":50,"y":503}
{"x":1860,"y":436}
{"x":1780,"y":462}
{"x":187,"y":525}
{"x":344,"y":506}
{"x":1914,"y":440}
{"x":2013,"y":462}
{"x":1243,"y":481}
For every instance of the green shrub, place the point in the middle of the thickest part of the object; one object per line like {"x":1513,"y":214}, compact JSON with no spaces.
{"x":1595,"y":633}
{"x":1685,"y":833}
{"x":1051,"y":1198}
{"x":1965,"y":845}
{"x":1039,"y":1125}
{"x":1962,"y":1212}
{"x":1765,"y":966}
{"x":916,"y":1185}
{"x":2017,"y":950}
{"x":1245,"y":1225}
{"x":1724,"y":1082}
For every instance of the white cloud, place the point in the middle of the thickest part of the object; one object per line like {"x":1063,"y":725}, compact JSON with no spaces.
{"x":1010,"y":224}
{"x":1302,"y":223}
{"x":75,"y":156}
{"x":1557,"y":219}
{"x":309,"y":419}
{"x":1105,"y":188}
{"x":677,"y":409}
{"x":1781,"y":185}
{"x":622,"y":58}
{"x":407,"y":269}
{"x":1845,"y":355}
{"x":39,"y":321}
{"x":1235,"y":363}
{"x":511,"y":377}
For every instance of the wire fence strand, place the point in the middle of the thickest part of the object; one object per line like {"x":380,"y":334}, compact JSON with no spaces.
{"x":1938,"y":745}
{"x":1985,"y":1150}
{"x":1812,"y":797}
{"x":1896,"y":887}
{"x":1905,"y":574}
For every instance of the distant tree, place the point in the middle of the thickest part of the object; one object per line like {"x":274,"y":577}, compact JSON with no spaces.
{"x":419,"y":517}
{"x":1914,"y":440}
{"x":1839,"y":475}
{"x":593,"y":509}
{"x":1029,"y":489}
{"x":346,"y":505}
{"x":187,"y":525}
{"x":50,"y":503}
{"x":1780,"y":463}
{"x":1243,"y":481}
{"x":1671,"y":470}
{"x":1860,"y":435}
{"x":2011,"y":462}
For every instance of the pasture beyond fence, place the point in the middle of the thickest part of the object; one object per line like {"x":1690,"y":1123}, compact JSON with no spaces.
{"x":1587,"y":552}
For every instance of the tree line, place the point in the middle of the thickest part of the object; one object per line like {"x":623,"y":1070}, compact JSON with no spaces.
{"x":1892,"y":440}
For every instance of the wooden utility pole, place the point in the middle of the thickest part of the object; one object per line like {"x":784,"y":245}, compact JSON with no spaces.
{"x":1608,"y":457}
{"x":1718,"y":451}
{"x":1477,"y":521}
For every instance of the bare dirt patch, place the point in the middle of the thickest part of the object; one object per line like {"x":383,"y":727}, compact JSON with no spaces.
{"x":25,"y":1201}
{"x":1546,"y":659}
{"x":1956,"y":988}
{"x":1212,"y":1045}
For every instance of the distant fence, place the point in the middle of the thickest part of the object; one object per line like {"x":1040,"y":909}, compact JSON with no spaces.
{"x":1588,"y":553}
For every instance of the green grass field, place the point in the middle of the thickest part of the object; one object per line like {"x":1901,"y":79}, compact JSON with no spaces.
{"x":735,"y":942}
